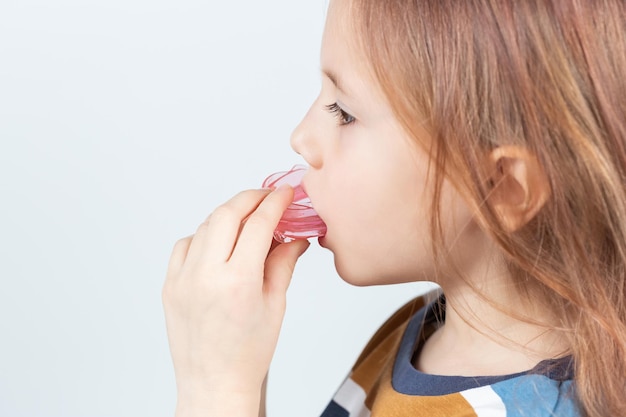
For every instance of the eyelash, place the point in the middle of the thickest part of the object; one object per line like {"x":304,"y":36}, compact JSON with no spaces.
{"x":343,"y":117}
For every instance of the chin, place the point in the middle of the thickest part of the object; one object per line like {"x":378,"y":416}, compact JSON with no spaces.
{"x":359,"y":277}
{"x":366,"y":274}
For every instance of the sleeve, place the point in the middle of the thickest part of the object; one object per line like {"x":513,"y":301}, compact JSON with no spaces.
{"x":350,"y":398}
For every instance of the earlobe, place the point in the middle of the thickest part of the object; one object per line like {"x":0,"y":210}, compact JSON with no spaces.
{"x":518,"y":185}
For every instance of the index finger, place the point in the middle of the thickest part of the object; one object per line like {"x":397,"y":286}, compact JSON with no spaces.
{"x":217,"y":236}
{"x":256,"y":235}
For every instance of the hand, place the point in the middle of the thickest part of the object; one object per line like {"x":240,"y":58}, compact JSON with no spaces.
{"x":224,"y":299}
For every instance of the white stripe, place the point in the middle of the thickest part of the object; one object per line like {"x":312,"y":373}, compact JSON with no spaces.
{"x":351,"y":397}
{"x":485,"y":402}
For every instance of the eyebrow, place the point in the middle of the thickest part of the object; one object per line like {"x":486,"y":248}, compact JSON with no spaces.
{"x":334,"y":79}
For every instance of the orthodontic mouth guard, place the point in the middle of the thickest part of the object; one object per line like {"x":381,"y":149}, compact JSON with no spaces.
{"x":299,"y":221}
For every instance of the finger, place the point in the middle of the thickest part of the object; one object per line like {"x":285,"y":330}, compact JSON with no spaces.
{"x":280,"y":265}
{"x":178,"y":256}
{"x":256,"y":236}
{"x":216,"y":237}
{"x":273,"y":246}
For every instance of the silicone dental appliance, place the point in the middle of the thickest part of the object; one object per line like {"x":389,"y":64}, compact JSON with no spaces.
{"x":299,"y":221}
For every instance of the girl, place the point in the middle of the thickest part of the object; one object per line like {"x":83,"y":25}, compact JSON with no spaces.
{"x":485,"y":142}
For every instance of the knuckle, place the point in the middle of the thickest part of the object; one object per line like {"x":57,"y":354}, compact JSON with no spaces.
{"x":201,"y":229}
{"x":178,"y":255}
{"x":182,"y":244}
{"x":168,"y":293}
{"x":223,"y":213}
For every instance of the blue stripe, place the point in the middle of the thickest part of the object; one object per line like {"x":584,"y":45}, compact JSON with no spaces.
{"x":335,"y":410}
{"x":537,"y":396}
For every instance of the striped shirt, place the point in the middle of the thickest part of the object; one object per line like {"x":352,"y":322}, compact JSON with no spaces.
{"x":384,"y":383}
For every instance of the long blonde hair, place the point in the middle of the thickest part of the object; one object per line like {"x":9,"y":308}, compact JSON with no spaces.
{"x":549,"y":75}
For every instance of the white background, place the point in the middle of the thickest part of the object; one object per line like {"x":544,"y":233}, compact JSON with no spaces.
{"x":123,"y":123}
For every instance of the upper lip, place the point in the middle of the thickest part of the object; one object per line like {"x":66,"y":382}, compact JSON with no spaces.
{"x":303,"y":185}
{"x":304,"y":188}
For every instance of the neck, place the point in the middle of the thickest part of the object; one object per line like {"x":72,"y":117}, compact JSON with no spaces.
{"x":490,"y":330}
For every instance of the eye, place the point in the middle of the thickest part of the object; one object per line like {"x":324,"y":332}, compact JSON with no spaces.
{"x":343,"y":117}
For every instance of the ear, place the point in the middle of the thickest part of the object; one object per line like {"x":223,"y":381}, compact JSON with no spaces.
{"x":518,"y":185}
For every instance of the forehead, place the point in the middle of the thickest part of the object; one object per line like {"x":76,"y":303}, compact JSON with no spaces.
{"x":341,"y":55}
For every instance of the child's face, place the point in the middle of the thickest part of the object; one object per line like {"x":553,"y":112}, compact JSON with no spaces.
{"x":368,"y":178}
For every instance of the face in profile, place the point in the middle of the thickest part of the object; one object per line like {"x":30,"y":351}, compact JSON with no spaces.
{"x":367,"y":177}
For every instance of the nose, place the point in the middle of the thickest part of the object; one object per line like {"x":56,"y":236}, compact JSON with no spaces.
{"x":305,"y":140}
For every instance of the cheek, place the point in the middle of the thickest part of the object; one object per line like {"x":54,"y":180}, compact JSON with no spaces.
{"x":378,"y":235}
{"x":350,"y":203}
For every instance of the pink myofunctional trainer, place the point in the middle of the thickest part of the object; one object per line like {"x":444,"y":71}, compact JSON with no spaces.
{"x":299,"y":221}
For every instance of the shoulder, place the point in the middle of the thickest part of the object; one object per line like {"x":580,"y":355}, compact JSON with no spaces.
{"x":396,"y":322}
{"x":527,"y":395}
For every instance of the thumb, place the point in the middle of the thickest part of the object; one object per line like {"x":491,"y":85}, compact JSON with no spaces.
{"x":280,"y":264}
